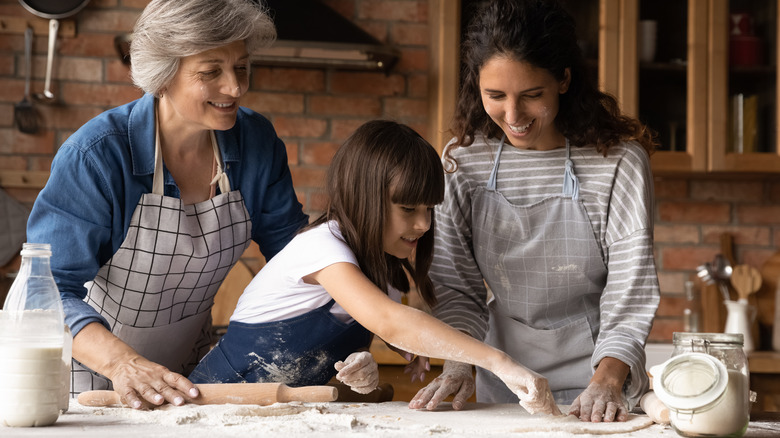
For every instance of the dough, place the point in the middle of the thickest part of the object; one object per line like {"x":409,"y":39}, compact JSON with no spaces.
{"x":572,"y":424}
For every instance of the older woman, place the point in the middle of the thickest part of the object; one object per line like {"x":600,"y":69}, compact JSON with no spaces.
{"x":150,"y":204}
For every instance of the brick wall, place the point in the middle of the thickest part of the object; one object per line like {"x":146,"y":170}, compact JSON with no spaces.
{"x":314,"y":110}
{"x":692,"y":214}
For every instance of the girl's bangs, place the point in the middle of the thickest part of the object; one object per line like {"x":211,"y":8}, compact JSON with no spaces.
{"x":419,"y":179}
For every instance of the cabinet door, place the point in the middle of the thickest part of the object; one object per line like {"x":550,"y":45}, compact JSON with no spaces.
{"x":663,"y":75}
{"x":744,"y":92}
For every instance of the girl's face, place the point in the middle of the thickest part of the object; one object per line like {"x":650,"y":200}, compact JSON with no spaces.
{"x":404,"y":225}
{"x":523,"y":101}
{"x":205,"y":91}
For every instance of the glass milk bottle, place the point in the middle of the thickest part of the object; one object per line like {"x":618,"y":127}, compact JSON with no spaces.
{"x":32,"y":337}
{"x":705,"y":385}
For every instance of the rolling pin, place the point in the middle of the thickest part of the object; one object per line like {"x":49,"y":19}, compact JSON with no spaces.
{"x":232,"y":393}
{"x":654,"y":408}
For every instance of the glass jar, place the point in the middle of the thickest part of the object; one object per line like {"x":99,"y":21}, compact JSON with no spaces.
{"x":705,"y":385}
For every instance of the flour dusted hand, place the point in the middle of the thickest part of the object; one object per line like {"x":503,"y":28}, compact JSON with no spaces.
{"x":359,"y":371}
{"x":456,"y":378}
{"x":600,"y":402}
{"x":139,"y":380}
{"x":531,"y":388}
{"x":417,"y":368}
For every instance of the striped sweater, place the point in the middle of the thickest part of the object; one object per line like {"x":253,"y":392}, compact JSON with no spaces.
{"x":617,"y":194}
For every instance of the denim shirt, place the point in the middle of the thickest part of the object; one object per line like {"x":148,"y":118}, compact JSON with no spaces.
{"x":101,"y":171}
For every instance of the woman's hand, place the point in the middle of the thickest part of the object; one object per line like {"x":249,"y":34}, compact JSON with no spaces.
{"x":600,"y":402}
{"x":603,"y":399}
{"x":456,"y":378}
{"x":531,"y":388}
{"x":359,"y":371}
{"x":138,"y":380}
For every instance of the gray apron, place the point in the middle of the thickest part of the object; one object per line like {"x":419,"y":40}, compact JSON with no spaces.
{"x":158,"y":288}
{"x":546,"y":272}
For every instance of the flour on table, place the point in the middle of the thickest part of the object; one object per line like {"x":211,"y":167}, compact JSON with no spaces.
{"x":390,"y":419}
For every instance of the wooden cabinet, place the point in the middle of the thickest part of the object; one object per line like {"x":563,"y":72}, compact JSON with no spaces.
{"x":712,"y":99}
{"x":710,"y":90}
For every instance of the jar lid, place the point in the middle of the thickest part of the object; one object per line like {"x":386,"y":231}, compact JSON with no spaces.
{"x":689,"y":381}
{"x":683,"y":338}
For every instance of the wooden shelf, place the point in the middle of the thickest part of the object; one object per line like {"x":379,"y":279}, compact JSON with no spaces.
{"x":764,"y":362}
{"x":40,"y":26}
{"x":25,"y":179}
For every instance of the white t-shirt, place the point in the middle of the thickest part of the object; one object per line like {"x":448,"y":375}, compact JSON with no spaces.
{"x":278,"y":292}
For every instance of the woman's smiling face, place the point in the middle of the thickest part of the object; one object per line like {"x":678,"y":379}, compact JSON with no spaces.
{"x":523,"y":101}
{"x":207,"y":87}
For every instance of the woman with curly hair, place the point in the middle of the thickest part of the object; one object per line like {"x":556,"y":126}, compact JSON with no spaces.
{"x":544,"y":247}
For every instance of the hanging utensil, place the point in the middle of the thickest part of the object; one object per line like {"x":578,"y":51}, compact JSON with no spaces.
{"x":709,"y":275}
{"x":47,"y":96}
{"x":746,"y":280}
{"x":25,"y":115}
{"x":54,"y":10}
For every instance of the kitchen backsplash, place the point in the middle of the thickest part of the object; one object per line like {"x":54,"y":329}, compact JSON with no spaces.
{"x":314,"y":110}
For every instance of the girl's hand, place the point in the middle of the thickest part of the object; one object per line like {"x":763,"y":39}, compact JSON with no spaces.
{"x":140,"y":382}
{"x":600,"y":402}
{"x":531,"y":388}
{"x":359,"y":371}
{"x":456,"y":378}
{"x":418,"y":367}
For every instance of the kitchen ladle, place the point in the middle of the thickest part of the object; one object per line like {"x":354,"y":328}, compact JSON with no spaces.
{"x":722,"y":269}
{"x":708,"y":275}
{"x":47,"y":96}
{"x":746,"y":280}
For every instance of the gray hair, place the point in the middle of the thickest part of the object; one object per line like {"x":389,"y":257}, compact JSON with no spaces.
{"x":169,"y":30}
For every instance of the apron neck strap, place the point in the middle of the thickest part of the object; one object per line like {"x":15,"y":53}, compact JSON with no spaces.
{"x":571,"y":185}
{"x":158,"y":183}
{"x":220,"y":177}
{"x":491,"y":185}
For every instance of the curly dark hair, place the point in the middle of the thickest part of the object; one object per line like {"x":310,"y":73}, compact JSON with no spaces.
{"x":541,"y":33}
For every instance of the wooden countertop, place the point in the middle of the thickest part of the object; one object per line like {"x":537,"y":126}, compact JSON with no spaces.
{"x":764,"y":362}
{"x":375,"y":420}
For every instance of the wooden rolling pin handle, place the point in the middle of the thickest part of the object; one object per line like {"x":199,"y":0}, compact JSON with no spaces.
{"x":307,"y":394}
{"x":654,"y":408}
{"x":99,"y":398}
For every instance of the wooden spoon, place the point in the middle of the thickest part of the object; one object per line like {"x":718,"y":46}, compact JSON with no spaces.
{"x":746,"y":280}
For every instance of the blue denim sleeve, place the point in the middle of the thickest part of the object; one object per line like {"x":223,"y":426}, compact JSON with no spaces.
{"x":282,"y":215}
{"x":73,"y":214}
{"x":267,"y":186}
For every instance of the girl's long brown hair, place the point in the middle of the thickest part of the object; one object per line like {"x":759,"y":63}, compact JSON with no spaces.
{"x":382,"y":162}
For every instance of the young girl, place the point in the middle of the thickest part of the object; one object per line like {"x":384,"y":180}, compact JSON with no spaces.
{"x":314,"y":304}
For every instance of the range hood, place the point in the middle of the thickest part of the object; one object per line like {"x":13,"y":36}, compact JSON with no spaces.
{"x":311,"y":34}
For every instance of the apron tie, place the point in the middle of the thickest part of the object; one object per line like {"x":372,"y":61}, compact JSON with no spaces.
{"x":571,"y":185}
{"x":220,"y":177}
{"x":491,"y":185}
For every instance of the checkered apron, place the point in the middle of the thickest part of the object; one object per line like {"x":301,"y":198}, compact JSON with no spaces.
{"x":158,"y":289}
{"x":546,"y":272}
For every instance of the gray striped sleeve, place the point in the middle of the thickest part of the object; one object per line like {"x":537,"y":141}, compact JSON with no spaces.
{"x":631,"y":295}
